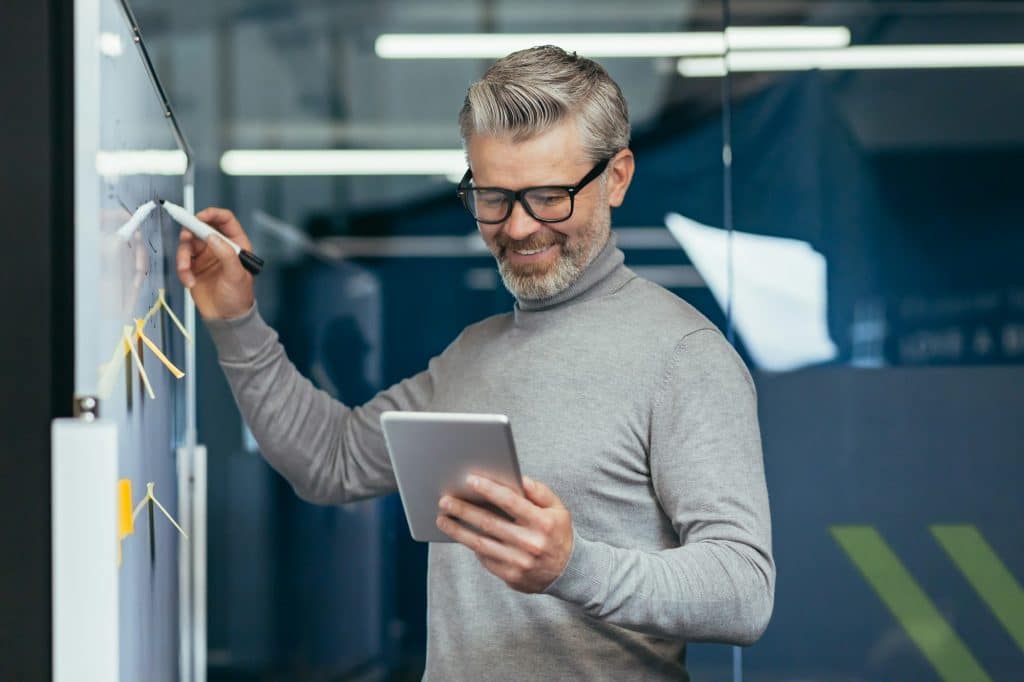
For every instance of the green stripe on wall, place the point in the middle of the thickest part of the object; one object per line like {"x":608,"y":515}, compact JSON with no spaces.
{"x":908,"y":603}
{"x":987,"y":575}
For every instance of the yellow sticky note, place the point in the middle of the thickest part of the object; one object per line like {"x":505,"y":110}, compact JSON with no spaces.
{"x":174,"y":318}
{"x":140,"y":333}
{"x":138,"y":363}
{"x":125,"y":523}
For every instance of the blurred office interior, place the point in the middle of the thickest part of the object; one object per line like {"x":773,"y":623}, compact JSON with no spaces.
{"x":844,"y":202}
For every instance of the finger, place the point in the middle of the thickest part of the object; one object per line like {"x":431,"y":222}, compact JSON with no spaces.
{"x":227,"y":257}
{"x":225,"y":222}
{"x":506,"y":499}
{"x":483,"y":546}
{"x":540,"y":494}
{"x":197,"y":245}
{"x":183,"y":261}
{"x":491,"y":524}
{"x":507,"y":572}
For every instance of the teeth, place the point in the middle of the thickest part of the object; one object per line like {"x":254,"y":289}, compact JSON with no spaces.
{"x":530,"y":253}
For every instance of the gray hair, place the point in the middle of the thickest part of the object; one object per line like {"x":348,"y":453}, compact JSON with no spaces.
{"x":528,"y":92}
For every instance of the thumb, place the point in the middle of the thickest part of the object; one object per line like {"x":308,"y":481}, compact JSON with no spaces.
{"x":540,"y":494}
{"x":224,"y":253}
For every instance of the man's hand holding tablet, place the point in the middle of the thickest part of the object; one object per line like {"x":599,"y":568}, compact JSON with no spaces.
{"x":529,"y":550}
{"x":459,"y":480}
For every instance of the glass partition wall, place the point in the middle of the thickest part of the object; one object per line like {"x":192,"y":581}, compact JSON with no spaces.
{"x":876,"y":292}
{"x":834,"y":184}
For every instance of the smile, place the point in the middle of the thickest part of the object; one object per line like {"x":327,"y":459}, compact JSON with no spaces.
{"x":530,"y":253}
{"x":524,"y":256}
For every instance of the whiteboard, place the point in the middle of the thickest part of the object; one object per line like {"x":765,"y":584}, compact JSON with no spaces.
{"x":129,"y":150}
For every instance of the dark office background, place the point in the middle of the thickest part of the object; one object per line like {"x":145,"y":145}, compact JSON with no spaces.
{"x":889,"y":383}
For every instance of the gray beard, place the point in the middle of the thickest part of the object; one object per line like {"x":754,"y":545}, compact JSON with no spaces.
{"x":569,"y":267}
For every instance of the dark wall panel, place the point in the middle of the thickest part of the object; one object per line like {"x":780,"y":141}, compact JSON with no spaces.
{"x":36,"y":342}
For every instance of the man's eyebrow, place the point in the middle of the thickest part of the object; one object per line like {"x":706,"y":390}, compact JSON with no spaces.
{"x":550,"y":183}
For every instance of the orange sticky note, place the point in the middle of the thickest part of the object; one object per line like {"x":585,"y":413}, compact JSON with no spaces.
{"x":125,"y":522}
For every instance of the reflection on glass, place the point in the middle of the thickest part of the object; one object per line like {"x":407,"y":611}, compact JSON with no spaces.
{"x":778,"y":291}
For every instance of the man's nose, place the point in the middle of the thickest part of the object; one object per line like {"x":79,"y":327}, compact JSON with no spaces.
{"x":520,"y":223}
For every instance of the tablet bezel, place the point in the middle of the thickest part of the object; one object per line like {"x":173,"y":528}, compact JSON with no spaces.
{"x":432,"y":453}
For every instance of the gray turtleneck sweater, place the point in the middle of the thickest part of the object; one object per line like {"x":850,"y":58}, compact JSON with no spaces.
{"x":632,"y":407}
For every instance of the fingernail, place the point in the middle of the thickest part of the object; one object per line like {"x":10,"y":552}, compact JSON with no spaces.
{"x":473,"y":482}
{"x":440,"y":522}
{"x":446,"y":503}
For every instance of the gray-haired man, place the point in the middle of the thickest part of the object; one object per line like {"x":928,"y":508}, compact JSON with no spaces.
{"x":645,"y":521}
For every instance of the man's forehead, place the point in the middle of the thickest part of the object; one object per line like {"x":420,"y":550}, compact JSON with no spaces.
{"x":553,"y":157}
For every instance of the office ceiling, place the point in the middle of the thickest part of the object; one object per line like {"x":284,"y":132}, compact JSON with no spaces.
{"x":303,"y":73}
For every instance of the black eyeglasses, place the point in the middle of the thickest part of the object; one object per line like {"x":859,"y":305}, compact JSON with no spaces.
{"x":548,"y":204}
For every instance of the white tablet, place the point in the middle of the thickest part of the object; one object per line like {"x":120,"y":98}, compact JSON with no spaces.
{"x":432,"y":453}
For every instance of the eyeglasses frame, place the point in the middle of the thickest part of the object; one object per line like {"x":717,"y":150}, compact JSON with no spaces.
{"x":520,"y":195}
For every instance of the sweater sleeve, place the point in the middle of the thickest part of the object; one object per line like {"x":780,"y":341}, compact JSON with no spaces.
{"x":329,"y":453}
{"x":708,"y":475}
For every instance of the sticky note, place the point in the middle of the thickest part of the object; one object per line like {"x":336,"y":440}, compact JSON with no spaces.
{"x":125,"y":522}
{"x":156,"y":351}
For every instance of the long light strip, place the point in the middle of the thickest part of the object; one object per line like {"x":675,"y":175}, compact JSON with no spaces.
{"x":273,"y":162}
{"x":859,"y":57}
{"x":601,"y":45}
{"x":652,"y":238}
{"x":141,"y":162}
{"x":786,"y":37}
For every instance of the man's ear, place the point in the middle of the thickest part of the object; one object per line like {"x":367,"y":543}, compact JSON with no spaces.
{"x":620,"y":175}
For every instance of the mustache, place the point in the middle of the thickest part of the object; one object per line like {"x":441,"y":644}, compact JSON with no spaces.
{"x":532,"y":243}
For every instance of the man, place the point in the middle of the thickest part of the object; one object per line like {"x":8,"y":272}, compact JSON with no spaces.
{"x":645,"y":519}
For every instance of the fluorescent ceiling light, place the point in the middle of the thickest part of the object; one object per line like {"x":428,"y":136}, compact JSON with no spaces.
{"x":860,"y":57}
{"x":141,"y":162}
{"x":494,"y":45}
{"x":702,"y":67}
{"x":274,"y":162}
{"x":696,"y":43}
{"x":786,"y":37}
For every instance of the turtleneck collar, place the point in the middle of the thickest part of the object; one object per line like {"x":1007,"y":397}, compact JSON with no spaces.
{"x":605,"y":274}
